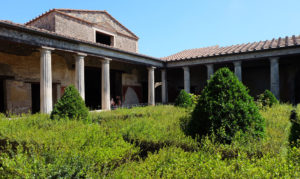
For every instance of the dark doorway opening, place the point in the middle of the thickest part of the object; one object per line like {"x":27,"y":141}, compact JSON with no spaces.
{"x":104,"y":38}
{"x":92,"y":77}
{"x":297,"y":88}
{"x":116,"y":85}
{"x":2,"y":97}
{"x":35,"y":98}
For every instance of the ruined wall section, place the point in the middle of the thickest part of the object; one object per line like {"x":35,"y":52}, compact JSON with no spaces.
{"x":47,"y":22}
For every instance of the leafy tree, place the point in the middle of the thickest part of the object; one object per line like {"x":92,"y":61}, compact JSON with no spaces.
{"x":225,"y":108}
{"x":183,"y":99}
{"x":71,"y":106}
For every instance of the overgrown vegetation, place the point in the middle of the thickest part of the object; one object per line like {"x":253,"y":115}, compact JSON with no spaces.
{"x":267,"y":98}
{"x":184,"y":99}
{"x":70,"y":106}
{"x":224,"y":109}
{"x":142,"y":143}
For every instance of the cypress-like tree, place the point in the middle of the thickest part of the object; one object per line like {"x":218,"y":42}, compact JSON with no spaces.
{"x":267,"y":98}
{"x":225,"y":108}
{"x":71,"y":106}
{"x":183,"y":99}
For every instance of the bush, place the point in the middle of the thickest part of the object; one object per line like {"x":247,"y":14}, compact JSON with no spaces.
{"x":267,"y":99}
{"x":194,"y":98}
{"x":225,"y":108}
{"x":183,"y":99}
{"x":294,"y":137}
{"x":71,"y":106}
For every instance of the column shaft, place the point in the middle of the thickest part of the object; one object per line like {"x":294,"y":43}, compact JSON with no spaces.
{"x":46,"y":80}
{"x":164,"y":88}
{"x":210,"y":70}
{"x":274,"y":76}
{"x":238,"y":69}
{"x":151,"y":90}
{"x":186,"y":79}
{"x":79,"y":74}
{"x":105,"y":84}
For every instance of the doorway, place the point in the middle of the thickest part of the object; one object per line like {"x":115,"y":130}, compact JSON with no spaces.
{"x":92,"y":77}
{"x":35,"y":98}
{"x":2,"y":96}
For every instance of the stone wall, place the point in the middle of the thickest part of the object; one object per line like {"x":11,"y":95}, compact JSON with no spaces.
{"x":46,"y":22}
{"x":70,"y":27}
{"x":74,"y":28}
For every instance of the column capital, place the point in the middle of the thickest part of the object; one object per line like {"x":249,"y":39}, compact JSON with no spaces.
{"x":273,"y":59}
{"x":81,"y":54}
{"x":151,"y":68}
{"x":209,"y":65}
{"x":106,"y":60}
{"x":237,"y":63}
{"x":186,"y":68}
{"x":44,"y":48}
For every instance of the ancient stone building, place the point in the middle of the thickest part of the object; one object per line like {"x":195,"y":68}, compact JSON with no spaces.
{"x":97,"y":54}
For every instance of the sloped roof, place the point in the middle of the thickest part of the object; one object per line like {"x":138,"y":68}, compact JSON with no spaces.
{"x":235,"y":49}
{"x":61,"y":11}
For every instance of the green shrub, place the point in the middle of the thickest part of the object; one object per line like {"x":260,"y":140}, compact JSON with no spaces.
{"x":266,"y":99}
{"x":71,"y":106}
{"x":183,"y":99}
{"x":194,"y":98}
{"x":224,"y":108}
{"x":294,"y":137}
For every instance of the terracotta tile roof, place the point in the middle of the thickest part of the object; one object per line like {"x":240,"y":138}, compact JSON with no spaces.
{"x":81,"y":10}
{"x":46,"y":32}
{"x":235,"y":49}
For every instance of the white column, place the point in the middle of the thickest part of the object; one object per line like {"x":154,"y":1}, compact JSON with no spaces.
{"x":238,"y":69}
{"x":79,"y":73}
{"x":105,"y":84}
{"x":46,"y":80}
{"x":210,"y":70}
{"x":274,"y":76}
{"x":151,"y":90}
{"x":164,"y":88}
{"x":186,"y":79}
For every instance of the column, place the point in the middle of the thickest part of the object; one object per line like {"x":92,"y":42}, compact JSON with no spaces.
{"x":274,"y":76}
{"x":238,"y":69}
{"x":164,"y":88}
{"x":151,"y":90}
{"x":210,"y":70}
{"x":46,"y":80}
{"x":186,"y":79}
{"x":105,"y":84}
{"x":79,"y":73}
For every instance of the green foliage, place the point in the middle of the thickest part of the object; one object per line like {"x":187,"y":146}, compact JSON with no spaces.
{"x":151,"y":127}
{"x":194,"y":98}
{"x":268,"y":158}
{"x":70,"y":106}
{"x":294,"y":137}
{"x":266,"y":99}
{"x":44,"y":148}
{"x":225,"y":108}
{"x":142,"y":143}
{"x":183,"y":99}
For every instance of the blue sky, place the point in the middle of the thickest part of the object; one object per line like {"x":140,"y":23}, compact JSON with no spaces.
{"x":169,"y":26}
